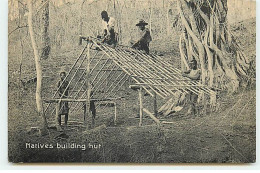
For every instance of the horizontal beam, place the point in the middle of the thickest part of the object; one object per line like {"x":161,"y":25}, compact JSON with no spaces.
{"x":170,"y":85}
{"x":111,"y":70}
{"x":79,"y":100}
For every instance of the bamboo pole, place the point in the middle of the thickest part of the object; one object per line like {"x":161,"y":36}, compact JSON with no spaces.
{"x":115,"y":119}
{"x":57,"y":116}
{"x":88,"y":113}
{"x":67,"y":75}
{"x":178,"y":73}
{"x":146,"y":71}
{"x":175,"y":70}
{"x":159,"y":68}
{"x":152,"y":75}
{"x":121,"y":67}
{"x":191,"y":88}
{"x":137,"y":71}
{"x":177,"y":77}
{"x":115,"y":87}
{"x":117,"y":90}
{"x":148,"y":59}
{"x":155,"y":74}
{"x":70,"y":80}
{"x":151,"y":115}
{"x":86,"y":79}
{"x":112,"y":84}
{"x":140,"y":106}
{"x":79,"y":100}
{"x":103,"y":81}
{"x":155,"y":105}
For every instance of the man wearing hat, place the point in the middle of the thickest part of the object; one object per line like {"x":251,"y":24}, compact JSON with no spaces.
{"x":145,"y":37}
{"x":193,"y":74}
{"x":109,"y":35}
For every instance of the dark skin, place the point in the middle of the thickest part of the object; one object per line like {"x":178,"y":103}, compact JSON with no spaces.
{"x":106,"y":19}
{"x":62,"y":77}
{"x":193,"y":66}
{"x":141,"y":27}
{"x":193,"y":97}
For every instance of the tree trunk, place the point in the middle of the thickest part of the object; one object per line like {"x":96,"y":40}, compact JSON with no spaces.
{"x":45,"y":45}
{"x":207,"y":39}
{"x":38,"y":95}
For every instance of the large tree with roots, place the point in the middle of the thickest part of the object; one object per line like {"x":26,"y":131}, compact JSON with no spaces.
{"x":206,"y":37}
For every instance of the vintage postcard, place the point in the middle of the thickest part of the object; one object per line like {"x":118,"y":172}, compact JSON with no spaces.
{"x":132,"y":81}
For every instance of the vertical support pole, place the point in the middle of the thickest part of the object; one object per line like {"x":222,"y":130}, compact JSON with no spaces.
{"x":88,"y":119}
{"x":58,"y":127}
{"x":141,"y":106}
{"x":155,"y":104}
{"x":85,"y":111}
{"x":115,"y":114}
{"x":57,"y":113}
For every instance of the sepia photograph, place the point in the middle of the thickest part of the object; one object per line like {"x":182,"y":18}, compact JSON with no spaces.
{"x":120,"y":82}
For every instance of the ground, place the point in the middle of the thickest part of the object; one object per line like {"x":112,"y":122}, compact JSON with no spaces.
{"x":227,"y":135}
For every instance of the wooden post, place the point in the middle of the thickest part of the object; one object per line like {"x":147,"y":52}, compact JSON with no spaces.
{"x":155,"y":104}
{"x":151,"y":115}
{"x":58,"y":127}
{"x":85,"y":111}
{"x":141,"y":106}
{"x":88,"y":120}
{"x":115,"y":114}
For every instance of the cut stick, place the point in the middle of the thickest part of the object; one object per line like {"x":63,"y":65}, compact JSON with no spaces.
{"x":151,"y":115}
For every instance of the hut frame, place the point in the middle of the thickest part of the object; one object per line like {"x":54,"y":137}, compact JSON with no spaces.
{"x":101,"y":71}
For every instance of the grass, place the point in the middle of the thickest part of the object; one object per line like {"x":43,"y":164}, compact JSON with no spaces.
{"x":225,"y":136}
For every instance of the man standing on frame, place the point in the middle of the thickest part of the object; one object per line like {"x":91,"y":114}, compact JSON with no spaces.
{"x":109,"y":35}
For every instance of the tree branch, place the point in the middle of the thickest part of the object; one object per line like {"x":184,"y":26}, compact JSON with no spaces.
{"x":18,"y":27}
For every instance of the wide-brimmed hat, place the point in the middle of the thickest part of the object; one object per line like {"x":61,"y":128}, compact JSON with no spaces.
{"x":141,"y":22}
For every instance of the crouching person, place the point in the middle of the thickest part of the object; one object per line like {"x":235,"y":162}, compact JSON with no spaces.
{"x":193,"y":74}
{"x":144,"y":37}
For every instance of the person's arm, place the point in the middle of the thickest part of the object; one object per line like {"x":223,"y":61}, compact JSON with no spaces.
{"x":111,"y":25}
{"x":104,"y":36}
{"x":67,"y":86}
{"x":145,"y":38}
{"x":105,"y":33}
{"x":59,"y":88}
{"x":185,"y":73}
{"x":194,"y":76}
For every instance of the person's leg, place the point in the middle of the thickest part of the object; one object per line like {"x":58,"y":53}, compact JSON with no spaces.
{"x":66,"y":119}
{"x":93,"y":111}
{"x":190,"y":104}
{"x":194,"y":98}
{"x":59,"y":119}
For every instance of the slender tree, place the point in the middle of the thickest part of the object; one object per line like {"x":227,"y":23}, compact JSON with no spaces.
{"x":38,"y":93}
{"x":45,"y":39}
